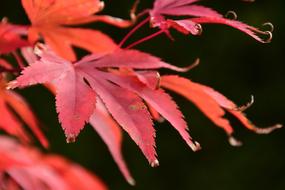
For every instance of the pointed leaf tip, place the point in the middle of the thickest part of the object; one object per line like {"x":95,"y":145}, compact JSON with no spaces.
{"x":234,"y":142}
{"x":187,"y":68}
{"x":194,"y":145}
{"x":160,"y":119}
{"x":71,"y":138}
{"x":155,"y":163}
{"x":131,"y":181}
{"x":267,"y":130}
{"x":101,"y":5}
{"x":194,"y":64}
{"x":245,"y":106}
{"x":11,"y":85}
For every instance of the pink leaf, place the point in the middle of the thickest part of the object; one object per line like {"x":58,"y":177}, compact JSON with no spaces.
{"x":129,"y":59}
{"x":110,"y":132}
{"x":12,"y":109}
{"x":29,"y":55}
{"x":20,"y":106}
{"x":129,"y":111}
{"x":75,"y":176}
{"x":164,"y":4}
{"x":10,"y":124}
{"x":185,"y":26}
{"x":199,"y":15}
{"x":75,"y":103}
{"x":231,"y":107}
{"x":155,"y":115}
{"x":249,"y":30}
{"x":47,"y":69}
{"x":30,"y":169}
{"x":159,"y":100}
{"x":202,"y":100}
{"x":120,"y":88}
{"x":188,"y":10}
{"x":149,"y":78}
{"x":211,"y":103}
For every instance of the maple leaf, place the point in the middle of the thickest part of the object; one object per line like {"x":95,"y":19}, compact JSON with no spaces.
{"x":13,"y":107}
{"x":198,"y":15}
{"x":10,"y":37}
{"x":158,"y":99}
{"x":212,"y":104}
{"x":70,"y":87}
{"x":11,"y":40}
{"x":11,"y":103}
{"x":24,"y":167}
{"x":110,"y":132}
{"x":79,"y":85}
{"x":52,"y":20}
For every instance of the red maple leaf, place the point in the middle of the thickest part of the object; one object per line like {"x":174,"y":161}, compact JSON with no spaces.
{"x":108,"y":89}
{"x":110,"y":132}
{"x":197,"y":15}
{"x":23,"y":167}
{"x":14,"y":110}
{"x":10,"y":37}
{"x":212,"y":104}
{"x":53,"y":20}
{"x":117,"y":88}
{"x":79,"y":85}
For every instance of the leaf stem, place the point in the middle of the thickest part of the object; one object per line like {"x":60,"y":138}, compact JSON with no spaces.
{"x":133,"y":31}
{"x":145,"y":39}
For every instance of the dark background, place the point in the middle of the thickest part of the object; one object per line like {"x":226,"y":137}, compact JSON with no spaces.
{"x":232,"y":63}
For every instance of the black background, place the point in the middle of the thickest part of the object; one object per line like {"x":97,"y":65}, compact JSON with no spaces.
{"x":232,"y":63}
